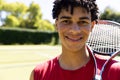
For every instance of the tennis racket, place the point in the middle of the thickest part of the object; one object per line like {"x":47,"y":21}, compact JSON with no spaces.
{"x":105,"y":37}
{"x":105,"y":40}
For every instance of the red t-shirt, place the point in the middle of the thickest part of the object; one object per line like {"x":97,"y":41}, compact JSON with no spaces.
{"x":112,"y":69}
{"x":51,"y":70}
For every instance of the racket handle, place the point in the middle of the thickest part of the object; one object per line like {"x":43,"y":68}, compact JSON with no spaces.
{"x":97,"y":77}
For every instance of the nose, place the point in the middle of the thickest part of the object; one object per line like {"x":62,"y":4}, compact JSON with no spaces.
{"x":75,"y":28}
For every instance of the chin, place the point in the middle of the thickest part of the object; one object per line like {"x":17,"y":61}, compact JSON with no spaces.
{"x":75,"y":48}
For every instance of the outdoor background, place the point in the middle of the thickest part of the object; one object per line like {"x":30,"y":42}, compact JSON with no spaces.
{"x":28,"y":36}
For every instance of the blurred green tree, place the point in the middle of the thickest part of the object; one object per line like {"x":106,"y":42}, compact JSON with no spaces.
{"x":110,"y":14}
{"x":20,"y":15}
{"x":1,"y":9}
{"x":34,"y":19}
{"x":33,"y":15}
{"x":45,"y":25}
{"x":15,"y":13}
{"x":12,"y":21}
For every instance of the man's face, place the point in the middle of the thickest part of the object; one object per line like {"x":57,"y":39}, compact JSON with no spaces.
{"x":74,"y":29}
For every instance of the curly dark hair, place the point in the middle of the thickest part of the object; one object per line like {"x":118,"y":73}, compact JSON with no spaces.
{"x":89,"y":5}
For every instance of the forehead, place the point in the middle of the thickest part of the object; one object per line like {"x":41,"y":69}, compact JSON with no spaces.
{"x":77,"y":11}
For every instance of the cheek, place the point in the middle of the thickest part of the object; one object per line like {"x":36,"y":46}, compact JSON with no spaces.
{"x":87,"y":29}
{"x":62,"y":28}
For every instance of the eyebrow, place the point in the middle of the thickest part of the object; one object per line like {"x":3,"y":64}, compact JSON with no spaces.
{"x":65,"y":17}
{"x":68,"y":17}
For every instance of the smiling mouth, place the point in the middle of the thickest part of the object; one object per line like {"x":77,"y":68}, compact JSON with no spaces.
{"x":74,"y":39}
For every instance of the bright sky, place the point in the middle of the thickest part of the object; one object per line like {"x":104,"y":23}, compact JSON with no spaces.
{"x":46,"y":6}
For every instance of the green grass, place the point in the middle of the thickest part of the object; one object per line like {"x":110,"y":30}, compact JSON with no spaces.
{"x":17,"y":62}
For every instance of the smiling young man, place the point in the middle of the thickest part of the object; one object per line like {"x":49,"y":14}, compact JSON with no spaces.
{"x":74,"y":20}
{"x":73,"y":30}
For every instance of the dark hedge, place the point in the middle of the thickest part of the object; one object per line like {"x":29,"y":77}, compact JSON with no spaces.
{"x":27,"y":36}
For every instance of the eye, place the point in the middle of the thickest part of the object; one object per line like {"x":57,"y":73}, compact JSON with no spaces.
{"x":66,"y":22}
{"x":83,"y":23}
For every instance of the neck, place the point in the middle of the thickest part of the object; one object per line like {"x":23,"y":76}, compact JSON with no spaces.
{"x":74,"y":60}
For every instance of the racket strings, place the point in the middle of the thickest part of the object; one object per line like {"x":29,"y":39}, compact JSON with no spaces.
{"x":105,"y":38}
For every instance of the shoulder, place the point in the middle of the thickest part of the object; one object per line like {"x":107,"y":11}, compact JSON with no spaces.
{"x":45,"y":65}
{"x":31,"y":76}
{"x":111,"y":63}
{"x":111,"y":70}
{"x":44,"y":68}
{"x":114,"y":66}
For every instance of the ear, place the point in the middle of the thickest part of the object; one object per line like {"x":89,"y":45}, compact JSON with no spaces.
{"x":56,"y":27}
{"x":92,"y":25}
